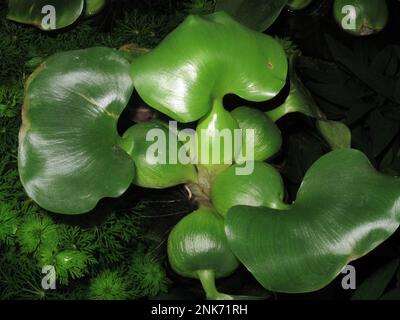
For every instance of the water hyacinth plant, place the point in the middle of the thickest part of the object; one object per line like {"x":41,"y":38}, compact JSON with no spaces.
{"x":74,"y":155}
{"x":71,"y":155}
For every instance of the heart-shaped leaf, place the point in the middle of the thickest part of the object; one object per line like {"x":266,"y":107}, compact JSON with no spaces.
{"x":343,"y":210}
{"x":217,"y":56}
{"x":69,"y":156}
{"x":40,"y":13}
{"x":256,"y":14}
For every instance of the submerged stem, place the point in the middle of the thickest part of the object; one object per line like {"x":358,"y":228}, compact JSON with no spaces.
{"x":207,"y":279}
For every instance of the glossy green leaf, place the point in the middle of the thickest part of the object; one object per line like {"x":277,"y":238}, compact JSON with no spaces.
{"x":336,"y":133}
{"x":69,"y":156}
{"x":156,"y":158}
{"x":30,"y":12}
{"x":93,"y":7}
{"x":198,"y":242}
{"x":267,"y":136}
{"x":217,"y":56}
{"x":215,"y":137}
{"x":374,"y":286}
{"x":344,"y":209}
{"x":263,"y":186}
{"x":298,"y":100}
{"x":256,"y":14}
{"x":197,"y":248}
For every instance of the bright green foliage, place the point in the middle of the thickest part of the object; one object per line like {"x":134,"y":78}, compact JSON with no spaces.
{"x":267,"y":136}
{"x":263,"y":187}
{"x":109,"y":239}
{"x":74,"y":113}
{"x":74,"y":238}
{"x":146,"y":276}
{"x":148,"y":145}
{"x":71,"y":264}
{"x":36,"y":233}
{"x":343,"y":210}
{"x":340,"y":212}
{"x":112,"y":237}
{"x":198,"y":243}
{"x":218,"y":56}
{"x":198,"y":248}
{"x":108,"y":285}
{"x":211,"y":131}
